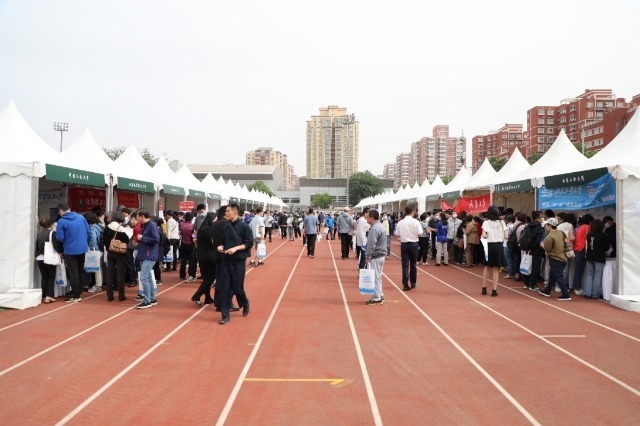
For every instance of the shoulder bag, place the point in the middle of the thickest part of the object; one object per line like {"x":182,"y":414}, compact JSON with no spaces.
{"x":117,"y":246}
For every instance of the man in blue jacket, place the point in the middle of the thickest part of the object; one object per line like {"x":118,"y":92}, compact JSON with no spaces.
{"x":73,"y":232}
{"x":148,"y":241}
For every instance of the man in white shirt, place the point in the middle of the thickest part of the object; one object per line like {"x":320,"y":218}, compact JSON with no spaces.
{"x":257,"y":228}
{"x":409,"y":231}
{"x":173,"y":234}
{"x":361,"y":237}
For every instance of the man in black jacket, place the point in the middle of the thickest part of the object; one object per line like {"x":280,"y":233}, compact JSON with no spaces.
{"x":235,"y":246}
{"x":535,"y":250}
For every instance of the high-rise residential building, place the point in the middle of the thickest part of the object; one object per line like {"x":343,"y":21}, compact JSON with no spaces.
{"x":332,"y":144}
{"x":577,"y":116}
{"x":264,"y":156}
{"x":497,"y":143}
{"x":389,"y":171}
{"x":401,"y":171}
{"x":439,"y":154}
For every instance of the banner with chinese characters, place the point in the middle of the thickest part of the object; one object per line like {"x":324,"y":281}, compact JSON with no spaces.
{"x":598,"y":193}
{"x":473,"y":204}
{"x":51,"y":198}
{"x":186,"y":206}
{"x":85,"y":199}
{"x":128,"y":199}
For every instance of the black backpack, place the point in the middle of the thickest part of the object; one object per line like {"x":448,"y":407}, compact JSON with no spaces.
{"x":512,"y":242}
{"x":526,"y":239}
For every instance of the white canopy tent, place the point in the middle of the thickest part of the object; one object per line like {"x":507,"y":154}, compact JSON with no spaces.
{"x":620,"y":158}
{"x":134,"y":174}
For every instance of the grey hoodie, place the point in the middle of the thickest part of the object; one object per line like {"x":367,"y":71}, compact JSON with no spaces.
{"x":345,"y":223}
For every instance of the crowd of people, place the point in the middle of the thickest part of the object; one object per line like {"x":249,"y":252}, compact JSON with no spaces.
{"x":566,"y":254}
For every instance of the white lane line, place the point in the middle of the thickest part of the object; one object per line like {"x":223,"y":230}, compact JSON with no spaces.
{"x":540,"y":300}
{"x":562,"y":335}
{"x":631,"y":389}
{"x":469,"y":358}
{"x":107,"y":385}
{"x":363,"y":366}
{"x":57,"y":345}
{"x":254,"y":352}
{"x":65,"y":305}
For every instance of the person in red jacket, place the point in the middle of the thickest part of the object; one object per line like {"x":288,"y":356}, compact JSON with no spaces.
{"x":579,"y":246}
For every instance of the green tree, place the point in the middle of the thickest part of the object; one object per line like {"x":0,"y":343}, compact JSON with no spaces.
{"x":117,"y":151}
{"x":446,"y":179}
{"x":587,"y":153}
{"x":497,"y":163}
{"x":260,"y":186}
{"x":322,"y":200}
{"x":534,"y":157}
{"x":363,"y":185}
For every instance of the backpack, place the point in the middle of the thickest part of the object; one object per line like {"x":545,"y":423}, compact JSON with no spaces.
{"x":512,"y":241}
{"x":526,"y":239}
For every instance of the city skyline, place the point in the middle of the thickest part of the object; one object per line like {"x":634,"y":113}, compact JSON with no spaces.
{"x":196,"y":86}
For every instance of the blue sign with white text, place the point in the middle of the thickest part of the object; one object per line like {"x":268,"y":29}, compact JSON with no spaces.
{"x":600,"y":192}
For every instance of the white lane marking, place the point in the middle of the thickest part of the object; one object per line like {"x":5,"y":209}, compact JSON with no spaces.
{"x":550,"y":343}
{"x":363,"y":366}
{"x":469,"y":358}
{"x":65,"y":305}
{"x":110,"y":383}
{"x":57,"y":345}
{"x":539,"y":300}
{"x":562,"y":335}
{"x":256,"y":348}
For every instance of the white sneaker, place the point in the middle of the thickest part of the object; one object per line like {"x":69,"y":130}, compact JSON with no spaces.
{"x":93,"y":289}
{"x":578,"y":292}
{"x":557,"y":289}
{"x":191,"y":279}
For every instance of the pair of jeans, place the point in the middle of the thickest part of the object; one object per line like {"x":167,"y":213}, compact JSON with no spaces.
{"x":148,"y":286}
{"x":579,"y":270}
{"x":290,"y":231}
{"x":362,"y":257}
{"x":515,"y":257}
{"x":507,"y":256}
{"x":593,"y":283}
{"x":409,"y":256}
{"x":556,"y":276}
{"x":388,"y":245}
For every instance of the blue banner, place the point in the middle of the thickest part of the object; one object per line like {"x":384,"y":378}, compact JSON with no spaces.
{"x":600,"y":192}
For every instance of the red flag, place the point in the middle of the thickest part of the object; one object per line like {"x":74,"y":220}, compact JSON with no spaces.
{"x":444,"y":205}
{"x":473,"y":205}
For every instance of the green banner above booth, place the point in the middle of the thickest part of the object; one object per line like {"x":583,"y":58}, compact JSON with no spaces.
{"x":233,"y":200}
{"x":196,"y":194}
{"x":75,"y":176}
{"x":451,"y":195}
{"x":173,"y":190}
{"x":412,"y":201}
{"x":574,"y":179}
{"x":135,"y":185}
{"x":433,"y":197}
{"x":215,"y":196}
{"x":518,"y":186}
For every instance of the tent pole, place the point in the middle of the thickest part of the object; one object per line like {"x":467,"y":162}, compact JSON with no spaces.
{"x":618,"y":277}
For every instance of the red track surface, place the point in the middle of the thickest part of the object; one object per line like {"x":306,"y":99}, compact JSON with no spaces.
{"x":311,"y":352}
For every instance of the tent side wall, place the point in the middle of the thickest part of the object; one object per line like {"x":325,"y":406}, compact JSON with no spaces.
{"x":628,"y":195}
{"x":18,"y":223}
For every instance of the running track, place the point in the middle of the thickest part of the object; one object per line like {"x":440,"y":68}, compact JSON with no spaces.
{"x":312,"y":353}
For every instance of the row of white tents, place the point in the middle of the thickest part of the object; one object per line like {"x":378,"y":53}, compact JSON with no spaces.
{"x":519,"y":183}
{"x":28,"y":166}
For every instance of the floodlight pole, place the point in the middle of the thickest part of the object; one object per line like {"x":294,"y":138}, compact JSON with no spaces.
{"x":61,"y":127}
{"x":349,"y":121}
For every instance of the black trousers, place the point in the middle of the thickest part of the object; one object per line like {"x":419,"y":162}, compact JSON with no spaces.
{"x":423,"y":252}
{"x":116,"y":272}
{"x":344,"y":244}
{"x":268,"y":229}
{"x":186,"y":256}
{"x":296,"y":231}
{"x":434,"y":249}
{"x":75,"y":272}
{"x":231,"y":280}
{"x":283,"y":231}
{"x":208,"y":270}
{"x":132,"y":275}
{"x":409,"y":256}
{"x":175,"y":243}
{"x":311,"y":244}
{"x":536,"y":264}
{"x":48,"y":273}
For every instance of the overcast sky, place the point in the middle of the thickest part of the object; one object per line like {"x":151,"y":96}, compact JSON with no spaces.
{"x":205,"y":81}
